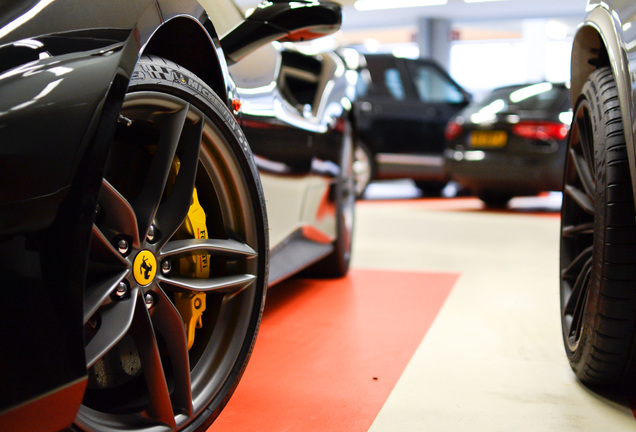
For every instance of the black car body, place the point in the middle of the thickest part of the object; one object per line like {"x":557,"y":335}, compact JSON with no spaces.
{"x":402,"y":112}
{"x":510,"y":143}
{"x":88,"y":91}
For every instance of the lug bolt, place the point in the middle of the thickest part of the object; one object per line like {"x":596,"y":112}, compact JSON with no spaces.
{"x":121,"y":290}
{"x":166,"y":267}
{"x":152,"y":232}
{"x":122,"y":246}
{"x":149,"y":300}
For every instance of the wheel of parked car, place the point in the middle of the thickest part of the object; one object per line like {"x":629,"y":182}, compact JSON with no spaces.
{"x":178,"y":260}
{"x":598,"y":240}
{"x":336,"y":264}
{"x":362,"y":168}
{"x":494,"y":199}
{"x":431,"y":188}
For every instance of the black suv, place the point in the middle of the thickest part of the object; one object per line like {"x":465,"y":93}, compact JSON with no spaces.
{"x":402,"y":111}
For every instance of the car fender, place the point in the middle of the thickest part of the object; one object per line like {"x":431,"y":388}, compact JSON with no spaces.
{"x":600,"y":41}
{"x":60,"y":103}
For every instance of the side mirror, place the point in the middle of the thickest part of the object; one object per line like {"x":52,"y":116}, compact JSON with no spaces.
{"x":293,"y":21}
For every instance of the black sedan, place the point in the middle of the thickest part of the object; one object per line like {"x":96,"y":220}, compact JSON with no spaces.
{"x":134,"y":232}
{"x":510,"y":143}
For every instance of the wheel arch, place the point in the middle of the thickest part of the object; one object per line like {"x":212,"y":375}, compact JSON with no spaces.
{"x":186,"y":42}
{"x":599,"y":43}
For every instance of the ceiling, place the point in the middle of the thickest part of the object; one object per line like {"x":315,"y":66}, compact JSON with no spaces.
{"x":458,"y":12}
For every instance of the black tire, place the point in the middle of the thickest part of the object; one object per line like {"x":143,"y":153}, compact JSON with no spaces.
{"x":363,"y":168}
{"x":598,"y":241}
{"x":495,"y":199}
{"x":176,"y":140}
{"x":336,"y":264}
{"x":431,"y":188}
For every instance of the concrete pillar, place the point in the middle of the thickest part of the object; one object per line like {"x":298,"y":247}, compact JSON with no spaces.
{"x":434,"y":39}
{"x":535,"y":37}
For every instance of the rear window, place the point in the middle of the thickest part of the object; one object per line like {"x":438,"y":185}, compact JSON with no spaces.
{"x":535,"y":97}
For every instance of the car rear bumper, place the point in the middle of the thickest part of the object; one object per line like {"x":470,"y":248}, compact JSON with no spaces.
{"x":478,"y":170}
{"x":416,"y":167}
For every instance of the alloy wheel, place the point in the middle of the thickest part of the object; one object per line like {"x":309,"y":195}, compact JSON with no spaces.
{"x":577,"y":226}
{"x":170,"y":312}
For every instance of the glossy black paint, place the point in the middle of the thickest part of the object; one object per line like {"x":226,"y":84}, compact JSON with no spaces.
{"x":399,"y":123}
{"x":62,"y":79}
{"x":276,"y":21}
{"x":63,"y":75}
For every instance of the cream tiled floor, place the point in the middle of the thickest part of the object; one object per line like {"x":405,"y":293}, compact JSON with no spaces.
{"x":493,"y":359}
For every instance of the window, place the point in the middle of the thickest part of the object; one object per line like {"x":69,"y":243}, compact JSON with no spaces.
{"x":433,"y":86}
{"x":393,"y":82}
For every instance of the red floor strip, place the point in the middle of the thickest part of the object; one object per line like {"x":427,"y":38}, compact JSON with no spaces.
{"x":329,"y":352}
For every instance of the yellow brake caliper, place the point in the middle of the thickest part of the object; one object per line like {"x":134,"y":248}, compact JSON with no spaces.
{"x":192,"y":305}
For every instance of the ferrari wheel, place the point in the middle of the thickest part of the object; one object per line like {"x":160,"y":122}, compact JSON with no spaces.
{"x":598,"y":240}
{"x":178,"y":260}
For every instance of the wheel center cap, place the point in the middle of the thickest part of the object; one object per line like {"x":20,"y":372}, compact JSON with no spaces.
{"x":144,"y":267}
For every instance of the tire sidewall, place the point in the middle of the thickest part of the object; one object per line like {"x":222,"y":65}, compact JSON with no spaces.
{"x":590,"y":98}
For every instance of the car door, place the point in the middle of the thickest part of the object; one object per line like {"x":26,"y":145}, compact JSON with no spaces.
{"x":384,"y":111}
{"x":407,"y":105}
{"x":438,"y":98}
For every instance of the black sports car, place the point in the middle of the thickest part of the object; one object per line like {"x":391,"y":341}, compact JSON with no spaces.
{"x":402,"y":112}
{"x":510,"y":143}
{"x":134,"y":234}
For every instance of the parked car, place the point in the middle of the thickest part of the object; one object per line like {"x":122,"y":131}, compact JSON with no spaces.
{"x":134,"y":229}
{"x":598,"y":228}
{"x":510,"y":143}
{"x":401,"y":115}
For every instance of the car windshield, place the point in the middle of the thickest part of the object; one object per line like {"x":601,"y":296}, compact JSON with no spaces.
{"x":535,"y":97}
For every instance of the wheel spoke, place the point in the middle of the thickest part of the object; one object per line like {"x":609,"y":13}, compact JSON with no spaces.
{"x":580,"y":198}
{"x":573,"y":270}
{"x":585,"y":139}
{"x":224,"y":284}
{"x":147,"y":203}
{"x":142,"y":332}
{"x":172,"y":213}
{"x":231,"y":249}
{"x":98,"y":294}
{"x":575,"y":305}
{"x":115,"y":320}
{"x":167,"y":322}
{"x":583,"y":171}
{"x":118,"y":213}
{"x":579,"y":288}
{"x":103,"y":251}
{"x":575,"y":231}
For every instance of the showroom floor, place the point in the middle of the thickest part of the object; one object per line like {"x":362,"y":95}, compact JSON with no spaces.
{"x":448,"y":321}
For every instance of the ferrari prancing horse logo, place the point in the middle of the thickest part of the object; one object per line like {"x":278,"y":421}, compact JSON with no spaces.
{"x":144,"y":267}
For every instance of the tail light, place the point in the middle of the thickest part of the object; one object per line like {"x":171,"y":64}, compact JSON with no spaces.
{"x":453,"y":129}
{"x":541,"y":130}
